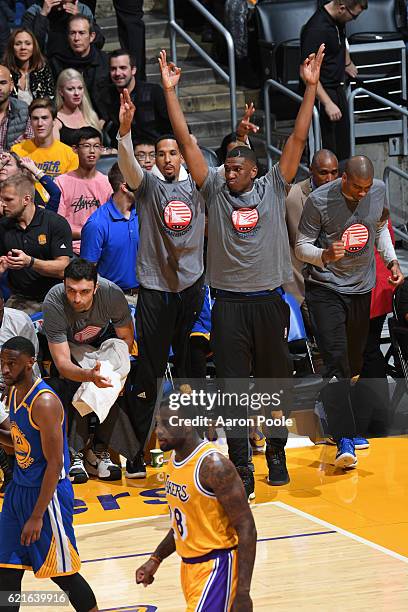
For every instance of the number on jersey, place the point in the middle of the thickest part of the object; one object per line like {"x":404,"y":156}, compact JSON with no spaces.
{"x":179,"y":524}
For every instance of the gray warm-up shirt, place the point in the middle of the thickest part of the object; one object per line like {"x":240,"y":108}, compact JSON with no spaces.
{"x":248,"y":246}
{"x":326,"y":218}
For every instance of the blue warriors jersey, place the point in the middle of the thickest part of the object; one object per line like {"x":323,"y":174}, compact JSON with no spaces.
{"x":30,"y":462}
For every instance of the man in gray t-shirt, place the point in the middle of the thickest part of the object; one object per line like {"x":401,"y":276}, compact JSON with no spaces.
{"x":86,"y":310}
{"x":340,"y":225}
{"x":248,"y":260}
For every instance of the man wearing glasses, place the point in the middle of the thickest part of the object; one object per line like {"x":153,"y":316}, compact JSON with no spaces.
{"x":145,"y":153}
{"x":327,"y":26}
{"x":83,"y":190}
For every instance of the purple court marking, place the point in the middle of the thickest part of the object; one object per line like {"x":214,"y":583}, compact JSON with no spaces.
{"x":144,"y":554}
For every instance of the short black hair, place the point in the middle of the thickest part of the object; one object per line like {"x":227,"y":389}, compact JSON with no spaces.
{"x":243,"y":151}
{"x":81,"y":269}
{"x":165,"y":137}
{"x":115,"y":177}
{"x":85,"y":133}
{"x":122,"y":51}
{"x":144,"y":141}
{"x":20,"y":345}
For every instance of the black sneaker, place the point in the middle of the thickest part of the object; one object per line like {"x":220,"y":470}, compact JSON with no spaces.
{"x":136,"y":468}
{"x":248,"y":481}
{"x":77,"y":473}
{"x":276,"y":460}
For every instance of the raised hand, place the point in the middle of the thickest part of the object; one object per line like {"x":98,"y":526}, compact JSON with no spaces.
{"x":310,"y":69}
{"x":144,"y":573}
{"x":126,"y":113}
{"x":71,"y":7}
{"x":245,"y":126}
{"x":28,"y":164}
{"x":48,"y":5}
{"x":170,"y":72}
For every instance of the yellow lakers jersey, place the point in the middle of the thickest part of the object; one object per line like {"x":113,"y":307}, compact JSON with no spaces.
{"x":199,"y":522}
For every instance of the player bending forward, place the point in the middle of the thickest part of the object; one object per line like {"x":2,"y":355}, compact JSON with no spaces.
{"x":212,"y":527}
{"x":36,"y":531}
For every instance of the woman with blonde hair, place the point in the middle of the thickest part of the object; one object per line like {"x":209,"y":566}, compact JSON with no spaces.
{"x":74,"y":108}
{"x":30,"y":71}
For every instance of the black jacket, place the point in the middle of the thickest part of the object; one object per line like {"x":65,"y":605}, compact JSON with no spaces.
{"x":151,"y":119}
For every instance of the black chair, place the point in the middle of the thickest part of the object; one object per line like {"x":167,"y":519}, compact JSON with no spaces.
{"x":378,"y":22}
{"x":105,"y":163}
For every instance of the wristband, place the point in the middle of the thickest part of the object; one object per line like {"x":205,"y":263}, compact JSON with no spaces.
{"x":30,"y":265}
{"x":347,"y":65}
{"x":156,"y":559}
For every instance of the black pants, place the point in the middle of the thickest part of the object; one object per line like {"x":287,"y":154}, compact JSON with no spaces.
{"x":131,"y":30}
{"x":249,"y":337}
{"x":336,"y":134}
{"x":340,"y":325}
{"x":163,"y":320}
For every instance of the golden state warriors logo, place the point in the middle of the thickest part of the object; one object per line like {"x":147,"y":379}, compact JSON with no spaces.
{"x":177,"y":215}
{"x":355,"y":238}
{"x":42,"y":239}
{"x":22,"y":447}
{"x":245,"y":219}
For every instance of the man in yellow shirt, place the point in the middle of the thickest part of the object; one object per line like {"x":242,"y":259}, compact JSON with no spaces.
{"x":50,"y":155}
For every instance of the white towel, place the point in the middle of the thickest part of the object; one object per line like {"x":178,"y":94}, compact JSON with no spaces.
{"x":113,"y":355}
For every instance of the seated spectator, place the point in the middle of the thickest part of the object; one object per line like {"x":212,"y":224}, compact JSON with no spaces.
{"x":50,"y":155}
{"x":35,"y":245}
{"x":31,"y":74}
{"x":151,"y":118}
{"x":323,"y":169}
{"x":85,"y":188}
{"x":16,"y":323}
{"x":48,"y":20}
{"x":83,"y":312}
{"x":14,"y":117}
{"x":11,"y":163}
{"x":74,"y":108}
{"x":82,"y":55}
{"x":145,"y":153}
{"x":110,"y":237}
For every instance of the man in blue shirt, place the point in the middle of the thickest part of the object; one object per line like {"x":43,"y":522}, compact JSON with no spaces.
{"x":110,"y":237}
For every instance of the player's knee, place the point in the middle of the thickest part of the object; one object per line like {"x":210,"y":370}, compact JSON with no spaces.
{"x":78,"y":590}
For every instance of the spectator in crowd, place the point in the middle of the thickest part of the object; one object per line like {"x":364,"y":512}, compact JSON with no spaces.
{"x":30,"y":71}
{"x":82,"y":55}
{"x":110,"y":237}
{"x":86,"y":310}
{"x":341,"y":223}
{"x":74,"y":108}
{"x":11,"y":163}
{"x":247,"y":255}
{"x":14,"y":117}
{"x":131,"y":30}
{"x":48,"y":20}
{"x":323,"y":169}
{"x":145,"y":154}
{"x":84,"y":189}
{"x":169,"y":268}
{"x":151,"y":118}
{"x":35,"y":245}
{"x":16,"y":323}
{"x":50,"y":155}
{"x":327,"y":26}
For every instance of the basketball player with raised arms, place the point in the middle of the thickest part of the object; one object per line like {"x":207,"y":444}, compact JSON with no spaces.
{"x":212,"y":527}
{"x":341,"y":223}
{"x":36,"y":530}
{"x":248,"y":260}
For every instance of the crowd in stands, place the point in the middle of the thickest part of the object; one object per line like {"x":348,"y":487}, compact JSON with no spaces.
{"x":116,"y":260}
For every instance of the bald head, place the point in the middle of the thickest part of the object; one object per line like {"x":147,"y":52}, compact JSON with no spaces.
{"x":324,"y":167}
{"x":6,"y":85}
{"x":359,"y":167}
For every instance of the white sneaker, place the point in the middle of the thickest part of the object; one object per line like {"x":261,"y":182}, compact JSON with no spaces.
{"x":77,"y":472}
{"x":99,"y":464}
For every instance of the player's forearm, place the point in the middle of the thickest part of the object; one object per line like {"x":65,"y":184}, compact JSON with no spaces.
{"x":54,"y":269}
{"x":177,"y":119}
{"x":73,"y":372}
{"x":49,"y":484}
{"x":304,"y":116}
{"x":166,"y":547}
{"x":306,"y":251}
{"x":322,"y":95}
{"x":246,"y":554}
{"x":384,"y":245}
{"x":128,"y":164}
{"x":5,"y":438}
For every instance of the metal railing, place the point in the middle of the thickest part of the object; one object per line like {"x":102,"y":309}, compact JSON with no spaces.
{"x":399,"y":109}
{"x":315,"y":141}
{"x":175,"y":29}
{"x":386,"y":178}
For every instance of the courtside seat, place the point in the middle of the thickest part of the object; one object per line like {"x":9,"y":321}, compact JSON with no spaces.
{"x":377,"y":23}
{"x":105,"y":163}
